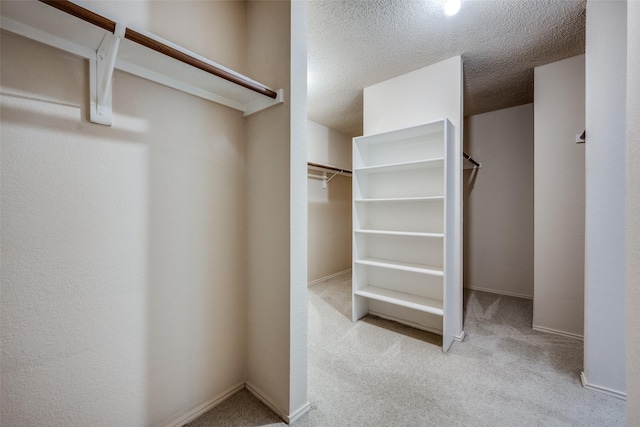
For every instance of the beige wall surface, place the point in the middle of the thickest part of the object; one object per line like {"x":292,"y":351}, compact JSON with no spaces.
{"x":329,"y":226}
{"x":277,"y":207}
{"x":559,"y":104}
{"x":498,"y":202}
{"x":327,"y":146}
{"x":123,"y":247}
{"x":330,"y":208}
{"x":633,"y":219}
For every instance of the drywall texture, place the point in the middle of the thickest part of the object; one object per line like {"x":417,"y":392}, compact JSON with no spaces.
{"x":498,"y":202}
{"x":633,"y":219}
{"x":428,"y":94}
{"x":329,"y":147}
{"x":277,"y":205}
{"x":422,"y":96}
{"x":559,"y":115}
{"x":606,"y":76}
{"x":356,"y":43}
{"x":123,"y":247}
{"x":329,"y":209}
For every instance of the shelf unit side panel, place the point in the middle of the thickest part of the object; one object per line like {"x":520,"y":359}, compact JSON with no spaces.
{"x":452,"y":319}
{"x":357,"y":158}
{"x":359,"y":280}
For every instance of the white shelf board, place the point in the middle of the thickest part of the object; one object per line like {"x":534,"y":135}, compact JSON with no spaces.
{"x":399,"y":233}
{"x":434,"y":127}
{"x":404,"y":266}
{"x":415,"y":302}
{"x":45,"y":24}
{"x":403,"y":199}
{"x":395,"y":167}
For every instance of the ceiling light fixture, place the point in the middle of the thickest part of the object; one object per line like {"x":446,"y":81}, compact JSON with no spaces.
{"x":451,"y":7}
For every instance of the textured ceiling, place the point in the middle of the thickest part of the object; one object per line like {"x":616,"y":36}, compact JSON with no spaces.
{"x":357,"y":43}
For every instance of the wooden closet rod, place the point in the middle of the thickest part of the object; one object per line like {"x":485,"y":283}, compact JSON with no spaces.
{"x":136,"y":37}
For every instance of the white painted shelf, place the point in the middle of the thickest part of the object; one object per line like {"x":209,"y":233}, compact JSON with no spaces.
{"x":83,"y":30}
{"x":398,"y":233}
{"x":403,"y":199}
{"x":402,"y":299}
{"x":399,"y":265}
{"x":404,"y":166}
{"x":406,"y":205}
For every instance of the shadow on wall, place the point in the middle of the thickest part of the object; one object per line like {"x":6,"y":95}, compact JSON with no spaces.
{"x":124,"y":245}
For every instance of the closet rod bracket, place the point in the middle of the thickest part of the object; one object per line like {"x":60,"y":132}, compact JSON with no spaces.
{"x":101,"y":76}
{"x":325,"y":181}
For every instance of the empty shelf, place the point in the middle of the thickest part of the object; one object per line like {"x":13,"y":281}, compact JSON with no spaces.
{"x":399,"y":233}
{"x":395,"y":167}
{"x":403,"y":199}
{"x":399,"y":265}
{"x":423,"y":304}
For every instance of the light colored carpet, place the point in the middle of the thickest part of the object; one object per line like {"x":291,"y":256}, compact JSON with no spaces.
{"x":380,"y":373}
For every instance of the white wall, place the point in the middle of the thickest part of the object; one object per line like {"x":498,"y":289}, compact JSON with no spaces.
{"x":277,"y":206}
{"x":329,"y":209}
{"x":328,"y":146}
{"x":428,"y":94}
{"x":633,"y":219}
{"x":123,"y":247}
{"x":606,"y":76}
{"x":559,"y":114}
{"x":498,"y":202}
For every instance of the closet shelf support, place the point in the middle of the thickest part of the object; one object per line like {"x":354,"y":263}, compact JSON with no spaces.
{"x":101,"y":75}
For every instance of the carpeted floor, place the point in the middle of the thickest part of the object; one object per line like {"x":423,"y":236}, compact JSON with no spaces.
{"x":379,"y":373}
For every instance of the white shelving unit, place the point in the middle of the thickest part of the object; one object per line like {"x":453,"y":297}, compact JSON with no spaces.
{"x":406,"y":222}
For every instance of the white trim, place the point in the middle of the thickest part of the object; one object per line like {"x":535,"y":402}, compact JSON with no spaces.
{"x":298,"y":413}
{"x":557,"y":332}
{"x":496,"y":291}
{"x":407,"y":322}
{"x":200,"y":409}
{"x":613,"y":393}
{"x":331,"y":276}
{"x":264,"y":399}
{"x":460,"y":337}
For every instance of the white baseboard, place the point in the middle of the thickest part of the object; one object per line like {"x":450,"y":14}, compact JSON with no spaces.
{"x":556,"y":332}
{"x":614,"y":393}
{"x":298,"y":413}
{"x":200,"y":409}
{"x":460,"y":337}
{"x":496,"y":291}
{"x":285,"y":417}
{"x":407,"y":322}
{"x":331,"y":276}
